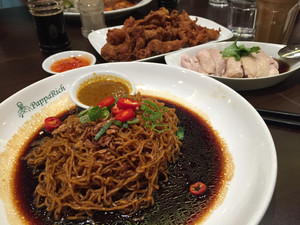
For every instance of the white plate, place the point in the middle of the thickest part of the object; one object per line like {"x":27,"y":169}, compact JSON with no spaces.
{"x":250,"y":142}
{"x":98,"y":38}
{"x":240,"y":84}
{"x":62,"y":55}
{"x":74,"y":11}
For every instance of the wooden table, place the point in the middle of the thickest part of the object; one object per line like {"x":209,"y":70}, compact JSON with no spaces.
{"x":20,"y":66}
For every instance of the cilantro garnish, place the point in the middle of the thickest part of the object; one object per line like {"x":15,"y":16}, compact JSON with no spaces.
{"x":238,"y":51}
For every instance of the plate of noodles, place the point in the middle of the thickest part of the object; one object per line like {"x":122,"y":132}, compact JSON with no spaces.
{"x":118,"y":7}
{"x":141,"y":173}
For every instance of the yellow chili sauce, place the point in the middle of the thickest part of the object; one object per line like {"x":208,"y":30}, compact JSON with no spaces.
{"x":93,"y":92}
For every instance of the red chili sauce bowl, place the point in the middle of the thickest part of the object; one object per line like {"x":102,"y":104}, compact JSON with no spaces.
{"x":69,"y":63}
{"x":67,"y":60}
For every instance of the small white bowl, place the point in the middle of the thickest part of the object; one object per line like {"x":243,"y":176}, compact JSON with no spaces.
{"x":86,"y":79}
{"x":62,"y":55}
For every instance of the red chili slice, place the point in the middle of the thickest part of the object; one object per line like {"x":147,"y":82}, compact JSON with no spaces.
{"x":125,"y":115}
{"x":197,"y":188}
{"x":125,"y":103}
{"x":106,"y":101}
{"x":51,"y":123}
{"x":115,"y":110}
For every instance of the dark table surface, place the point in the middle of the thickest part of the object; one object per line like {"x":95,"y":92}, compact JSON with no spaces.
{"x":20,"y":66}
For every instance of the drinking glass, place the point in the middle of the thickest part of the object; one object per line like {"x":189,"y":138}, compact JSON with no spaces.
{"x":50,"y":25}
{"x":275,"y":20}
{"x":241,"y":17}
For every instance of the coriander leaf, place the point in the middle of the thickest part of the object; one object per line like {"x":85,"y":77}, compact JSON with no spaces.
{"x":231,"y":51}
{"x":255,"y":49}
{"x":238,"y":51}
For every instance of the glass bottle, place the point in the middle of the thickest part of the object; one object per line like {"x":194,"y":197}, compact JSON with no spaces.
{"x":91,"y":15}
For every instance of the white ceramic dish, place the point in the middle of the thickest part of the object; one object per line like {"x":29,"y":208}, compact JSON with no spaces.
{"x":62,"y":55}
{"x":96,"y":76}
{"x":240,"y":84}
{"x":98,"y":38}
{"x":250,"y":142}
{"x":74,"y":11}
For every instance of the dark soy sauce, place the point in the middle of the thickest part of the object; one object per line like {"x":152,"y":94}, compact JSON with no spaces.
{"x":202,"y":160}
{"x":283,"y":66}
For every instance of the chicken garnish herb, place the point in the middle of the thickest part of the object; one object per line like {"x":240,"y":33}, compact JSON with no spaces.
{"x":238,"y":51}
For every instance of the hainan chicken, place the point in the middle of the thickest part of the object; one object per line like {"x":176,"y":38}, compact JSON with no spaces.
{"x":210,"y":61}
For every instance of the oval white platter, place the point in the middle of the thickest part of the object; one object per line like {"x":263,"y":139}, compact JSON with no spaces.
{"x":97,"y":38}
{"x":240,"y":84}
{"x":237,"y":122}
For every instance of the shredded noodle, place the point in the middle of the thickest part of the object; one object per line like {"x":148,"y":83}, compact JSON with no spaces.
{"x":120,"y":171}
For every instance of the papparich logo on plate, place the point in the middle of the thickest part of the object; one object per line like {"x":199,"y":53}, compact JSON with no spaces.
{"x":39,"y":103}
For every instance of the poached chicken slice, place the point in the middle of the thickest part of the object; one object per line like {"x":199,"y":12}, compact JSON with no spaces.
{"x":259,"y":65}
{"x":233,"y":68}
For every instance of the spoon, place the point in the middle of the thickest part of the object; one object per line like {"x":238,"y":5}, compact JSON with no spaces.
{"x":290,"y":52}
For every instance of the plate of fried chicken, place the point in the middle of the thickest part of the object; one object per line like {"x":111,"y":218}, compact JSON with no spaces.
{"x":157,"y":34}
{"x":242,"y":65}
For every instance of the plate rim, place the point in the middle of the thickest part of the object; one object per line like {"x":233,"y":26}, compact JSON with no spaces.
{"x":142,"y":3}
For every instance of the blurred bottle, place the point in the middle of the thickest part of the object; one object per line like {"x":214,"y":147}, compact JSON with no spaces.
{"x":50,"y":24}
{"x":168,"y":4}
{"x":92,"y":15}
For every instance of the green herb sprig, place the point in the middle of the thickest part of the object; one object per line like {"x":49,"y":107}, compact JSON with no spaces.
{"x":180,"y":133}
{"x":92,"y":114}
{"x":238,"y":51}
{"x":153,"y":115}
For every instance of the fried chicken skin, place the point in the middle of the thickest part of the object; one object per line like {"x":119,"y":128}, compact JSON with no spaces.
{"x":159,"y":32}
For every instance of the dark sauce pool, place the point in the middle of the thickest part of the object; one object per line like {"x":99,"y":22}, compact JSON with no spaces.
{"x":282,"y":66}
{"x":202,"y":160}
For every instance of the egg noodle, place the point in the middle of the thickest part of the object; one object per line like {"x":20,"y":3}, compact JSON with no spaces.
{"x":78,"y":176}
